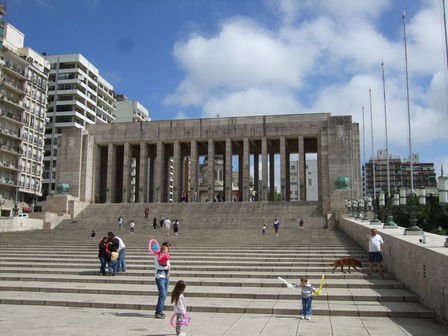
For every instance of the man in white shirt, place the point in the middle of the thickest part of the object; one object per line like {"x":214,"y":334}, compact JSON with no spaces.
{"x":376,"y":244}
{"x":167,"y":225}
{"x":162,"y":282}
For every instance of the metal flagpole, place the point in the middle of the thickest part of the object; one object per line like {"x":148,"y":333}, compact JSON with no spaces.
{"x":408,"y":106}
{"x":373,"y":152}
{"x":446,"y":40}
{"x":385,"y":124}
{"x":364,"y":152}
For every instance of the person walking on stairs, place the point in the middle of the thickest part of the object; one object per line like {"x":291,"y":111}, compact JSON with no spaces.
{"x":132,"y":226}
{"x":154,"y":223}
{"x":301,"y":224}
{"x":176,"y":227}
{"x":103,"y":255}
{"x":276,"y":226}
{"x":162,"y":282}
{"x":120,"y":223}
{"x":146,"y":213}
{"x":167,"y":225}
{"x":162,"y":221}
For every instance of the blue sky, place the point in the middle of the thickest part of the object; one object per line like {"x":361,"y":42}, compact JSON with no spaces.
{"x":202,"y":58}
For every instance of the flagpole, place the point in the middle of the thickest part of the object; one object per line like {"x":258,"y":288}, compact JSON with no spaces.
{"x":408,"y":105}
{"x":385,"y":124}
{"x":373,"y":152}
{"x":364,"y":152}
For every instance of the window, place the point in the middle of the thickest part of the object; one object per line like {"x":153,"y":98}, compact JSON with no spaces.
{"x":310,"y":182}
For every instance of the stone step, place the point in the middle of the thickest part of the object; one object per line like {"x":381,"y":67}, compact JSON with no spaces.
{"x":179,"y":267}
{"x":220,"y":305}
{"x":278,"y":293}
{"x":194,"y":273}
{"x":133,"y":260}
{"x":371,"y":282}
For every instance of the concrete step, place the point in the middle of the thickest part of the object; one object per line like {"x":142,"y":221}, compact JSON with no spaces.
{"x":371,"y":282}
{"x":273,"y":293}
{"x":223,"y":305}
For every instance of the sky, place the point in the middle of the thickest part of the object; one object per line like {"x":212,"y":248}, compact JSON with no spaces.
{"x":208,"y":58}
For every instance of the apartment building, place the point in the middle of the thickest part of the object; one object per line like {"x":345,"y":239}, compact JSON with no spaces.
{"x":311,"y":186}
{"x":77,"y":96}
{"x":399,"y":173}
{"x":130,"y":110}
{"x":23,"y":100}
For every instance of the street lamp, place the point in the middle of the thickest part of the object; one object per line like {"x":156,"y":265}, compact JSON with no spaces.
{"x":367,"y":207}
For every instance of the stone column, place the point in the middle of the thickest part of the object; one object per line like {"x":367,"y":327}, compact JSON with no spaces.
{"x":211,"y":170}
{"x":177,"y":183}
{"x":271,"y":176}
{"x":256,"y":175}
{"x":228,"y":171}
{"x":160,"y":172}
{"x":193,"y":197}
{"x":111,"y":173}
{"x":264,"y":168}
{"x":246,"y":170}
{"x":302,"y":169}
{"x":283,"y":168}
{"x":126,"y":172}
{"x":97,"y":192}
{"x":143,"y":173}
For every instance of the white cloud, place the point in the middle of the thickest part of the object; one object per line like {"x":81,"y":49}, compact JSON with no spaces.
{"x":330,"y":49}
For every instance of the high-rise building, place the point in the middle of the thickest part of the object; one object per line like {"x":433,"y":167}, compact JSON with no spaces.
{"x":23,"y":101}
{"x":77,"y":96}
{"x":130,"y":110}
{"x":399,"y":173}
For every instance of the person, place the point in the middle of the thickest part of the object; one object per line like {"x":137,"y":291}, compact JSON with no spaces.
{"x":376,"y":245}
{"x":120,"y":247}
{"x":276,"y":226}
{"x":162,"y":221}
{"x":120,"y":223}
{"x":254,"y":196}
{"x":307,"y":291}
{"x":103,"y":254}
{"x":163,"y":258}
{"x":162,"y":282}
{"x":180,"y":307}
{"x":263,"y":229}
{"x":131,"y":226}
{"x":93,"y":234}
{"x":167,"y":225}
{"x":301,"y":224}
{"x":154,"y":223}
{"x":176,"y":227}
{"x":146,"y":213}
{"x":113,"y":265}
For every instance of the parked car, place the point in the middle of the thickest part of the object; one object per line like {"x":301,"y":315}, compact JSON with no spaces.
{"x":24,"y":215}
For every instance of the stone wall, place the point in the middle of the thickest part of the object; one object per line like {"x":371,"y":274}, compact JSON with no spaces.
{"x":423,"y":268}
{"x":20,"y":224}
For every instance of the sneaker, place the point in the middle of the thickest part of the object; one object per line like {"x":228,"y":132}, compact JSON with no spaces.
{"x":302,"y":317}
{"x":308,"y":317}
{"x":159,"y":316}
{"x":182,"y":334}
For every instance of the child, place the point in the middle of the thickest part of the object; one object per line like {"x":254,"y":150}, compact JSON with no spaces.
{"x":307,"y":297}
{"x":93,"y":234}
{"x":113,"y":264}
{"x":263,"y":230}
{"x":180,"y":308}
{"x":162,"y":259}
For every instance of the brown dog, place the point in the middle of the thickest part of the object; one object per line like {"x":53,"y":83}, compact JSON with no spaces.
{"x":350,"y":262}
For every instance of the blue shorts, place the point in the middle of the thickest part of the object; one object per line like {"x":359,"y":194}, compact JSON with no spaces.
{"x":375,"y":257}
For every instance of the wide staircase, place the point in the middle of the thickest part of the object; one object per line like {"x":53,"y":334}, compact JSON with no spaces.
{"x":228,"y":265}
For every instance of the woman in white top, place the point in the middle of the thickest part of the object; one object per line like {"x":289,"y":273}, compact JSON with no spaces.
{"x":180,"y":308}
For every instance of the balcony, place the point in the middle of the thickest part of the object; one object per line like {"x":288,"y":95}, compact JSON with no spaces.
{"x":13,"y":102}
{"x":7,"y":182}
{"x":14,"y":87}
{"x":10,"y":116}
{"x":8,"y":165}
{"x":10,"y":133}
{"x":14,"y":71}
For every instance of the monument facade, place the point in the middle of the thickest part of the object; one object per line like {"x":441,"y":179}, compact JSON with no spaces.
{"x":145,"y":161}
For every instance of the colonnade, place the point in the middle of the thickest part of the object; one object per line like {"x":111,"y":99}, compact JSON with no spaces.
{"x":157,"y":172}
